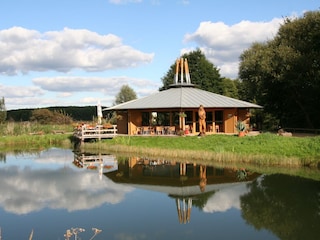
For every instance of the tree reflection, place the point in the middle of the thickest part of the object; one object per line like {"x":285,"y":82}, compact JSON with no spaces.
{"x":288,"y":206}
{"x":2,"y":157}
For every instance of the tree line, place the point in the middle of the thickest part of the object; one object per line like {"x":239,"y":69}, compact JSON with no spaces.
{"x":53,"y":114}
{"x":64,"y":114}
{"x":281,"y":74}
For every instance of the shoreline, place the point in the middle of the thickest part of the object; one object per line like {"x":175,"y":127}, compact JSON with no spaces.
{"x":264,"y":149}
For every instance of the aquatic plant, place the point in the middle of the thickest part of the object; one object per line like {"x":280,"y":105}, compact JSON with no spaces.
{"x":69,"y":233}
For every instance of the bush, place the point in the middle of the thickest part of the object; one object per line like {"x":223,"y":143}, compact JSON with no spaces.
{"x":45,"y":116}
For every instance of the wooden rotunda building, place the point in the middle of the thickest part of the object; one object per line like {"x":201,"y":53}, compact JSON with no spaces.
{"x":175,"y":110}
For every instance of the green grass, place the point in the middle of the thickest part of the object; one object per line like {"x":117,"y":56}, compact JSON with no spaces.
{"x":28,"y":128}
{"x":26,"y":136}
{"x":34,"y":142}
{"x":267,"y":153}
{"x":266,"y":149}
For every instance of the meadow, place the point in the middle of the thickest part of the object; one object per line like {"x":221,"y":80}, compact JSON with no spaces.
{"x":266,"y":149}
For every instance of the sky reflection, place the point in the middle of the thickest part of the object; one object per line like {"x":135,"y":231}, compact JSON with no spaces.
{"x":53,"y":184}
{"x":141,"y":198}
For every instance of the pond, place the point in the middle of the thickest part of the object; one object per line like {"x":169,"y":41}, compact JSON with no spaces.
{"x":56,"y":190}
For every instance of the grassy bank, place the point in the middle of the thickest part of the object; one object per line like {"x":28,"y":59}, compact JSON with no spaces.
{"x":34,"y":142}
{"x":267,"y":153}
{"x":26,"y":136}
{"x":264,"y":149}
{"x":32,"y":128}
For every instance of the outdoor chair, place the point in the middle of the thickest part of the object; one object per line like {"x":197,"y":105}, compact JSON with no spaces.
{"x":159,"y":130}
{"x":145,"y":130}
{"x":172,"y":130}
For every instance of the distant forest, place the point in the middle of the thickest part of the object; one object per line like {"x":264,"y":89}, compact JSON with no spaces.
{"x":86,"y":113}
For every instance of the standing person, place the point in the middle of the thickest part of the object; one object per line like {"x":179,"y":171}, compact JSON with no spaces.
{"x":202,"y":120}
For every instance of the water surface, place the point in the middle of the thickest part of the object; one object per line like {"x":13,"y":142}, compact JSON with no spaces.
{"x":138,"y":198}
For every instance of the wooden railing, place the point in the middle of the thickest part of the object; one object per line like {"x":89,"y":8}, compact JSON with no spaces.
{"x":97,"y":132}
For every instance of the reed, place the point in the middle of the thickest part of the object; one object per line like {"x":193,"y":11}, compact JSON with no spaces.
{"x":32,"y":128}
{"x":28,"y":142}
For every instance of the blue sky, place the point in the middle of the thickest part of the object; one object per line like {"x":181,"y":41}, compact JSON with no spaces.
{"x":76,"y":53}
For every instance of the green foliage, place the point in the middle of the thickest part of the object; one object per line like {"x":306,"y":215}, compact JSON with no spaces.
{"x":19,"y":115}
{"x":283,"y":74}
{"x":86,"y":113}
{"x":3,"y":111}
{"x":45,"y":116}
{"x":202,"y":73}
{"x":125,"y":94}
{"x":240,"y":126}
{"x":230,"y":88}
{"x":42,"y":116}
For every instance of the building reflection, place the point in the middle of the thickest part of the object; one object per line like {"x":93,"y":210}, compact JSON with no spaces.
{"x":189,"y":184}
{"x":184,"y":206}
{"x":103,"y":163}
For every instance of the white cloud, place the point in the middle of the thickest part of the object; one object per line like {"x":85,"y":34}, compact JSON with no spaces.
{"x":20,"y":91}
{"x":64,"y":94}
{"x":223,"y":44}
{"x":22,"y":188}
{"x":73,"y":90}
{"x":226,"y":199}
{"x":32,"y":102}
{"x":89,"y":100}
{"x":91,"y":84}
{"x":25,"y":186}
{"x":23,"y":50}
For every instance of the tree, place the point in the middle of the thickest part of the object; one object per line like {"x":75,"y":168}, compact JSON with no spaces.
{"x":230,"y":88}
{"x":202,"y":73}
{"x":78,"y":113}
{"x":283,"y":74}
{"x":126,"y":94}
{"x":45,"y":116}
{"x":3,"y":111}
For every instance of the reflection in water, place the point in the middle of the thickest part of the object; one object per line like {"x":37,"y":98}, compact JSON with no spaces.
{"x":102,"y":162}
{"x":2,"y":157}
{"x":183,"y":198}
{"x":188,"y":183}
{"x":184,"y":209}
{"x":50,"y":181}
{"x":288,"y":206}
{"x":203,"y":178}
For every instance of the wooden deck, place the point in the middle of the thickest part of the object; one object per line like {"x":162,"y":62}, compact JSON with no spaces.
{"x":97,"y":132}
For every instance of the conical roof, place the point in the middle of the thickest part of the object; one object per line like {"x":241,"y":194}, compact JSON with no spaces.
{"x":183,"y":94}
{"x":183,"y":97}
